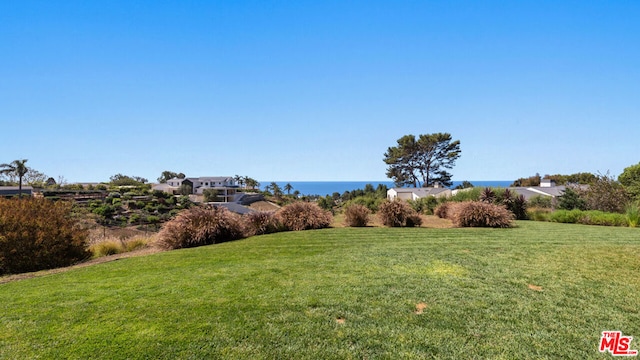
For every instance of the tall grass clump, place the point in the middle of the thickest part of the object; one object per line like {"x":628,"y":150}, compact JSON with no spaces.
{"x":632,"y":213}
{"x":398,"y":214}
{"x":303,"y":215}
{"x":480,"y":214}
{"x":469,"y":194}
{"x":442,"y":210}
{"x":261,"y":222}
{"x":588,"y":217}
{"x":356,"y":215}
{"x":38,"y":234}
{"x":106,"y":248}
{"x":200,"y":226}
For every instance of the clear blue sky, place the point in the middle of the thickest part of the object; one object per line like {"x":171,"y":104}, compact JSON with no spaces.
{"x":317,"y":90}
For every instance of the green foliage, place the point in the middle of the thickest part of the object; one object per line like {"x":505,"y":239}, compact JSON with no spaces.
{"x":397,"y":214}
{"x":570,"y":199}
{"x":302,"y":215}
{"x":630,"y":179}
{"x":356,"y":215}
{"x":527,"y":182}
{"x":124,"y":180}
{"x":632,"y":213}
{"x":211,"y":195}
{"x":185,"y":189}
{"x":200,"y":226}
{"x":541,"y":201}
{"x":464,"y":185}
{"x":425,"y":205}
{"x":539,"y":214}
{"x":423,"y":161}
{"x":470,"y":194}
{"x":588,"y":217}
{"x":168,"y":175}
{"x":369,"y":201}
{"x":480,"y":214}
{"x":326,"y":202}
{"x":38,"y":234}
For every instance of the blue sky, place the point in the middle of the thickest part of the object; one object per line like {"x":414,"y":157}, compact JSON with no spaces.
{"x":317,"y":90}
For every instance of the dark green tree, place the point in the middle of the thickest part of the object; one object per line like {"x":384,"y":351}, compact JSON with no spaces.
{"x":288,"y":188}
{"x":630,"y":179}
{"x":167,"y":175}
{"x":19,"y":169}
{"x":422,"y":161}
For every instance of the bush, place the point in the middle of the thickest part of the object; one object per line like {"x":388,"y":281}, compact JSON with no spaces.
{"x":480,"y":214}
{"x":37,"y":234}
{"x":396,"y":213}
{"x":590,"y":217}
{"x":541,"y":201}
{"x":469,"y":194}
{"x":632,"y":213}
{"x":105,"y":248}
{"x":370,"y":201}
{"x":539,"y":214}
{"x":136,"y":243}
{"x":200,"y":226}
{"x":302,"y":215}
{"x":261,"y":222}
{"x":425,"y":205}
{"x":442,"y":210}
{"x":356,"y":215}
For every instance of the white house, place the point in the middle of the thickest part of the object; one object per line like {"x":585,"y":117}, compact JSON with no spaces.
{"x":417,"y":193}
{"x":226,"y":186}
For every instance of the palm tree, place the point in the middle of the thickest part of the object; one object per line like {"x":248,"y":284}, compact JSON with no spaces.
{"x":275,"y":188}
{"x":18,"y":168}
{"x":288,"y":188}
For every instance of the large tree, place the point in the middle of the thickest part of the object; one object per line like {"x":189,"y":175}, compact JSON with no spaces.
{"x":168,"y":175}
{"x":18,"y":168}
{"x":630,"y":179}
{"x":422,"y":161}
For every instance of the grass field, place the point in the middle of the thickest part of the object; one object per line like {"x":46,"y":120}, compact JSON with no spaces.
{"x":541,"y":290}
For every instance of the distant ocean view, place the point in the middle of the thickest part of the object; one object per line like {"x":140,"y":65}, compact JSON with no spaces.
{"x":329,"y":187}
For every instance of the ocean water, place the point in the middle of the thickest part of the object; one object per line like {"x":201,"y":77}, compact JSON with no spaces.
{"x":323,"y":188}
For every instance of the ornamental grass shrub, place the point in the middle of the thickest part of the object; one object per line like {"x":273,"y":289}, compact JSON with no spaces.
{"x":632,"y":213}
{"x":398,"y":214}
{"x":480,"y":214}
{"x":303,"y":215}
{"x":199,"y":226}
{"x":38,"y":234}
{"x":356,"y":215}
{"x":261,"y":222}
{"x":442,"y":210}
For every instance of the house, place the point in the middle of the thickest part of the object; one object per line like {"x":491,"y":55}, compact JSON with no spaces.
{"x":11,"y":191}
{"x":547,"y":188}
{"x":225,"y":185}
{"x":417,"y":193}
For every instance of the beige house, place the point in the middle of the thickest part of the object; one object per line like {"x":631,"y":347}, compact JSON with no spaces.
{"x":417,"y":193}
{"x":225,"y":185}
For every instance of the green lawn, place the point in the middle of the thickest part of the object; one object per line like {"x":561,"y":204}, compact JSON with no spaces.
{"x":541,"y":290}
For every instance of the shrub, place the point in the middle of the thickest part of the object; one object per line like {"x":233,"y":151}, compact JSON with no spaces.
{"x":541,"y":201}
{"x":261,"y":222}
{"x":37,"y":234}
{"x":606,"y":194}
{"x":632,"y":213}
{"x":425,"y":205}
{"x":356,"y":215}
{"x":370,"y":201}
{"x":480,"y":214}
{"x":108,"y":247}
{"x":570,"y":199}
{"x":469,"y":194}
{"x":565,"y":216}
{"x":442,"y":210}
{"x":302,"y":215}
{"x":200,"y":226}
{"x":396,"y":213}
{"x":488,"y":196}
{"x":413,"y":220}
{"x":596,"y":217}
{"x":539,"y":214}
{"x":136,"y":243}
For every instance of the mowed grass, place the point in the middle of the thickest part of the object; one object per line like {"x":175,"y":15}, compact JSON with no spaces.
{"x":541,"y":290}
